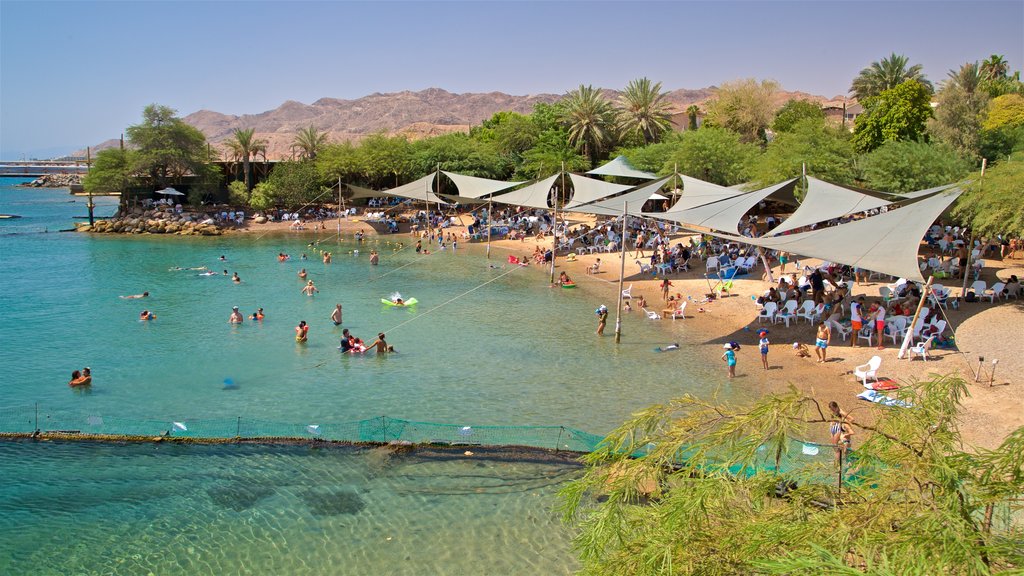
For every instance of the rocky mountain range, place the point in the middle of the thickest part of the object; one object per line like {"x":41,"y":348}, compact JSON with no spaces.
{"x":429,"y":112}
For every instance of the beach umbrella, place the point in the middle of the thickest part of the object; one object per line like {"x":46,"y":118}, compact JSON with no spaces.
{"x":170,"y":192}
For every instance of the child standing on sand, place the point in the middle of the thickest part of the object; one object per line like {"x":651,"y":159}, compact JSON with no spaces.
{"x":730,"y":359}
{"x":763,"y":344}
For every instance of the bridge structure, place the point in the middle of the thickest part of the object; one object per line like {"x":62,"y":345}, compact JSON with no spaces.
{"x":37,"y":168}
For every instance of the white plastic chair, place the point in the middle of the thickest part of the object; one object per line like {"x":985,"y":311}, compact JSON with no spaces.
{"x":680,"y":312}
{"x":627,"y":293}
{"x":712,"y":264}
{"x":934,"y":329}
{"x":886,"y":293}
{"x":787,"y":313}
{"x":644,"y":268}
{"x":869,"y":370}
{"x":806,"y":311}
{"x":651,"y":315}
{"x":768,"y":312}
{"x":897,"y":328}
{"x":979,"y":287}
{"x":921,"y":349}
{"x":838,"y":328}
{"x":865,"y":334}
{"x":996,"y":292}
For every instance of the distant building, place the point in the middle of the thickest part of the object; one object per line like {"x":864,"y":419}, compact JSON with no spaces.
{"x":681,"y":120}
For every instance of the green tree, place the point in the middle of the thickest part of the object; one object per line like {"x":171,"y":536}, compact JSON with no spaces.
{"x":1001,"y":142}
{"x":908,"y":166}
{"x":653,"y":157}
{"x":719,"y":489}
{"x":691,"y":114}
{"x":794,"y":111}
{"x":644,"y":111}
{"x":548,"y":156}
{"x":387,"y":159}
{"x":744,"y":106}
{"x":293,"y":184}
{"x":961,"y":107}
{"x":712,"y":154}
{"x":459,"y":153}
{"x":825,"y":150}
{"x":238,"y":193}
{"x":341,"y":160}
{"x":262,"y":197}
{"x":995,"y":67}
{"x":242,"y":146}
{"x":588,"y":116}
{"x":887,"y":74}
{"x":994,"y":204}
{"x":111,"y":171}
{"x":899,"y":113}
{"x":166,"y":148}
{"x":308,"y":142}
{"x":1006,"y":110}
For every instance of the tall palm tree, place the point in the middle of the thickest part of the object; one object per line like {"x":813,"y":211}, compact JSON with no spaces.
{"x":691,"y":113}
{"x":643,"y":110}
{"x":968,"y":78}
{"x":885,"y":74}
{"x":589,"y":117}
{"x":243,"y":145}
{"x":994,"y":67}
{"x":309,"y":141}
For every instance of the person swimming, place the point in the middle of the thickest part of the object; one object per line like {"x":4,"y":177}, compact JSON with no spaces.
{"x":207,"y":273}
{"x":303,"y":274}
{"x":134,"y":296}
{"x":309,"y":289}
{"x":235,"y":278}
{"x":147,"y":315}
{"x":236,"y":316}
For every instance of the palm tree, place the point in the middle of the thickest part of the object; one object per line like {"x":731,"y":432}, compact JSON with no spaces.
{"x":309,"y":141}
{"x":968,"y":78}
{"x":243,"y":145}
{"x":589,"y":119}
{"x":643,"y":110}
{"x":691,"y":112}
{"x":994,"y":67}
{"x":885,"y":74}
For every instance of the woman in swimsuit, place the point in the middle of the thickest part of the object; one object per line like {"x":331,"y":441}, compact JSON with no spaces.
{"x":840,"y":429}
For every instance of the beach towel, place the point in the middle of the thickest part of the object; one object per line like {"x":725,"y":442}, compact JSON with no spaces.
{"x":879,"y":398}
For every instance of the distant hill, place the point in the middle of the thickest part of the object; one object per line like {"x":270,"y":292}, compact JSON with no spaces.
{"x":429,"y":112}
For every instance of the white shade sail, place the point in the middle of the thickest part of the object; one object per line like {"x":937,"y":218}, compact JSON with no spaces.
{"x":422,"y":189}
{"x":474,"y":187}
{"x":887,"y":242}
{"x":590,"y":190}
{"x":360,"y":192}
{"x":919,"y":193}
{"x":825,"y":201}
{"x":534,"y":195}
{"x":697,"y":193}
{"x":620,"y":167}
{"x":612,"y":206}
{"x":724,"y":215}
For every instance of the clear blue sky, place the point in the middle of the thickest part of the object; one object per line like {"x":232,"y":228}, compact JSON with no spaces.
{"x":78,"y":73}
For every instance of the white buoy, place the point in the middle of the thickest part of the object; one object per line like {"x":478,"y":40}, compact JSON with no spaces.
{"x":180,"y":426}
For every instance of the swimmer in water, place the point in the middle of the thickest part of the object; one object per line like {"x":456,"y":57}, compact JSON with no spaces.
{"x":236,"y":316}
{"x":208,"y":273}
{"x":301,"y":332}
{"x":235,"y":278}
{"x":78,"y":380}
{"x":302,"y":274}
{"x":146,"y":315}
{"x":327,"y":257}
{"x":309,"y":289}
{"x":399,"y":302}
{"x":134,"y":296}
{"x":336,"y":315}
{"x":374,"y":257}
{"x":380,"y":345}
{"x":225,"y":273}
{"x":222,"y":258}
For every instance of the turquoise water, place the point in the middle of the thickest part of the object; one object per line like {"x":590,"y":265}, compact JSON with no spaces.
{"x":484,"y":346}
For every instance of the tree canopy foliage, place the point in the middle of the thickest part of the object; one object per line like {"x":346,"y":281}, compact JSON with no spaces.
{"x":825,"y":150}
{"x":643,"y":111}
{"x":887,"y":74}
{"x":793,"y":111}
{"x":717,"y":490}
{"x":994,"y":204}
{"x":961,"y":108}
{"x":166,"y":149}
{"x":111,"y":171}
{"x":900,"y":113}
{"x":712,"y":154}
{"x":744,"y":106}
{"x":909,"y":166}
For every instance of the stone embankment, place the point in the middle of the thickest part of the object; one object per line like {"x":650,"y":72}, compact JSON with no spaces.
{"x":162,"y":220}
{"x":55,"y":181}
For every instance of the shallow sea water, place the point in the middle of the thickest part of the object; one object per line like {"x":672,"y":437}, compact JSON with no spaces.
{"x":485,"y":345}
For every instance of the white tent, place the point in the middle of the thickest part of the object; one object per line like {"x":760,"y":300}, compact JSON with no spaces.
{"x":696,"y":193}
{"x":725,"y":214}
{"x":887,"y":242}
{"x":421,"y":189}
{"x":534,"y":195}
{"x":360,"y":192}
{"x":612,"y":206}
{"x":474,"y":187}
{"x":620,"y":167}
{"x":590,"y":190}
{"x":919,"y":193}
{"x":825,"y":201}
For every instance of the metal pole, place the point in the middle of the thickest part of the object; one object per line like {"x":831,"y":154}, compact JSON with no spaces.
{"x":554,"y":226}
{"x":910,"y":329}
{"x":970,"y":245}
{"x":488,"y":228}
{"x":340,"y":200}
{"x":88,"y":163}
{"x":622,"y":272}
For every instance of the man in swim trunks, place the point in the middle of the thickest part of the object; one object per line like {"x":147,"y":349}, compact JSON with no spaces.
{"x":336,"y":315}
{"x":309,"y":289}
{"x":346,"y":341}
{"x":236,"y":316}
{"x":381,"y":346}
{"x":821,"y":340}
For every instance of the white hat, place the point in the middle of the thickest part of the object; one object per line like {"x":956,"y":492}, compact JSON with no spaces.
{"x":727,"y":346}
{"x":796,"y":344}
{"x":234,"y":307}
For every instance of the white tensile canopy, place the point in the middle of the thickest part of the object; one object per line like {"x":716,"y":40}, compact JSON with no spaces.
{"x":474,"y":187}
{"x":421,"y":189}
{"x":697,"y":193}
{"x":590,"y":190}
{"x":360,"y":192}
{"x":919,"y":193}
{"x":825,"y":201}
{"x":170,"y":192}
{"x":620,"y":167}
{"x":887,"y":242}
{"x":534,"y":195}
{"x":612,"y":206}
{"x":724,"y":215}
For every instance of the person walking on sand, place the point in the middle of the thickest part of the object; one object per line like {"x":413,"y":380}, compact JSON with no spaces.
{"x":821,"y":340}
{"x":763,"y":345}
{"x":602,"y":319}
{"x":309,"y":289}
{"x":236,"y":316}
{"x":730,"y":359}
{"x":856,"y":318}
{"x":336,"y":315}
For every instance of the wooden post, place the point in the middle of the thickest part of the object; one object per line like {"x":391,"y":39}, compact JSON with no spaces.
{"x":622,"y":272}
{"x":970,"y":244}
{"x":910,"y":329}
{"x":340,"y":200}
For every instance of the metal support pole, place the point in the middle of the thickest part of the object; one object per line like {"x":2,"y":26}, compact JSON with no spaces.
{"x":488,"y":229}
{"x":622,"y":273}
{"x":970,"y":245}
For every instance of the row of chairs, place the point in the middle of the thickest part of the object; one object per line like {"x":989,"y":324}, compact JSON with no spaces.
{"x":790,"y":310}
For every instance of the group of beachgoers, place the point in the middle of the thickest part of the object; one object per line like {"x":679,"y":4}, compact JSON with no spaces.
{"x":81,"y":377}
{"x":350,"y":344}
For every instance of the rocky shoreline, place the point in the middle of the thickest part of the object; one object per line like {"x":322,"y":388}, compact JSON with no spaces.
{"x":54,"y":181}
{"x":161,"y":220}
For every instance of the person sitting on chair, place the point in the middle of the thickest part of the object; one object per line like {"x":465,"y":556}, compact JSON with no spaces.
{"x":595,"y":268}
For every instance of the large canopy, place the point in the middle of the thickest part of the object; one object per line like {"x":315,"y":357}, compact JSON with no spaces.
{"x":421,"y":189}
{"x":474,"y":187}
{"x":724,"y":215}
{"x":612,"y":206}
{"x":824,"y":201}
{"x":534,"y":195}
{"x":886,"y":242}
{"x":589,"y":190}
{"x":620,"y":167}
{"x":697,"y":193}
{"x":919,"y":193}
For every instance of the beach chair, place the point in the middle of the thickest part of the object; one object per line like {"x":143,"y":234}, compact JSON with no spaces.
{"x":651,"y":315}
{"x":644,"y":268}
{"x":869,"y":370}
{"x":838,"y":328}
{"x":996,"y":291}
{"x":936,"y":328}
{"x":628,"y":292}
{"x":787,"y":313}
{"x":921,"y":349}
{"x":979,"y":287}
{"x":680,"y":312}
{"x":806,"y":311}
{"x":768,"y":312}
{"x":897,"y":328}
{"x":712,"y":264}
{"x":865,"y":334}
{"x":886,"y":293}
